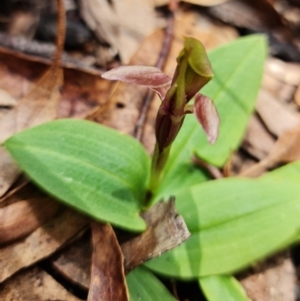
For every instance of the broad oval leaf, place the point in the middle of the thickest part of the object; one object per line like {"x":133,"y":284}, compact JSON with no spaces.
{"x":220,"y":288}
{"x":238,"y":69}
{"x":234,"y":222}
{"x":143,"y":285}
{"x":90,"y":167}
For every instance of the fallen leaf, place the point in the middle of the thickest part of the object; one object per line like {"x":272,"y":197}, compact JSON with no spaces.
{"x":285,"y":150}
{"x":259,"y":16}
{"x":286,"y":72}
{"x":277,"y":118}
{"x":107,"y":272}
{"x":9,"y":171}
{"x":38,"y":106}
{"x":74,"y":262}
{"x":41,"y":243}
{"x":21,"y":218}
{"x":165,"y":230}
{"x":116,"y":23}
{"x":197,"y":2}
{"x":6,"y":99}
{"x":257,"y":141}
{"x":274,"y":282}
{"x":206,"y":2}
{"x":34,"y":285}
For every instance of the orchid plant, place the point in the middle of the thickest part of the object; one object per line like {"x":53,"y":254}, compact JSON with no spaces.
{"x":193,"y":71}
{"x":106,"y":174}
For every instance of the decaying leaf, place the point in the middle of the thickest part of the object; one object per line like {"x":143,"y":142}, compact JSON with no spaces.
{"x":9,"y":170}
{"x":257,"y":141}
{"x":273,"y":282}
{"x":165,"y":230}
{"x":74,"y":262}
{"x":21,"y":218}
{"x":38,"y":106}
{"x":34,"y":285}
{"x":41,"y":243}
{"x":197,"y":2}
{"x":6,"y":99}
{"x":108,"y":281}
{"x":285,"y":150}
{"x":116,"y":22}
{"x":277,"y":118}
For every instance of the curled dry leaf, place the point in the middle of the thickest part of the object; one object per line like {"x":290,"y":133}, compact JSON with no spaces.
{"x":108,"y":281}
{"x":19,"y":219}
{"x":165,"y":230}
{"x":285,"y":150}
{"x":207,"y":115}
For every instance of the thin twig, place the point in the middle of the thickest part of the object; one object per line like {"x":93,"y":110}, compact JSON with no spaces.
{"x":138,"y":130}
{"x":61,"y":32}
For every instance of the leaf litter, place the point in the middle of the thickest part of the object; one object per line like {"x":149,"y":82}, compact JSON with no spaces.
{"x":285,"y":137}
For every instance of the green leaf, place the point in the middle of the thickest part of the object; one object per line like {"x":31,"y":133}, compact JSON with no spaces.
{"x":90,"y":167}
{"x":234,"y":222}
{"x":220,"y":288}
{"x":238,"y":69}
{"x":143,"y":285}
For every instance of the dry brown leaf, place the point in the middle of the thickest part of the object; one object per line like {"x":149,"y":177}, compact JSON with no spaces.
{"x":38,"y":106}
{"x":197,"y":2}
{"x":21,"y":218}
{"x":108,"y":282}
{"x":34,"y":285}
{"x":277,"y":118}
{"x":6,"y":99}
{"x":41,"y":243}
{"x":285,"y":150}
{"x":206,"y":2}
{"x":257,"y":141}
{"x":286,"y":72}
{"x":275,"y":283}
{"x":9,"y":171}
{"x":74,"y":262}
{"x":122,"y":24}
{"x":257,"y":15}
{"x":166,"y":229}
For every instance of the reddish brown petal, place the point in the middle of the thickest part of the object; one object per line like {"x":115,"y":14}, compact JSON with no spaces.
{"x":208,"y":117}
{"x":147,"y":76}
